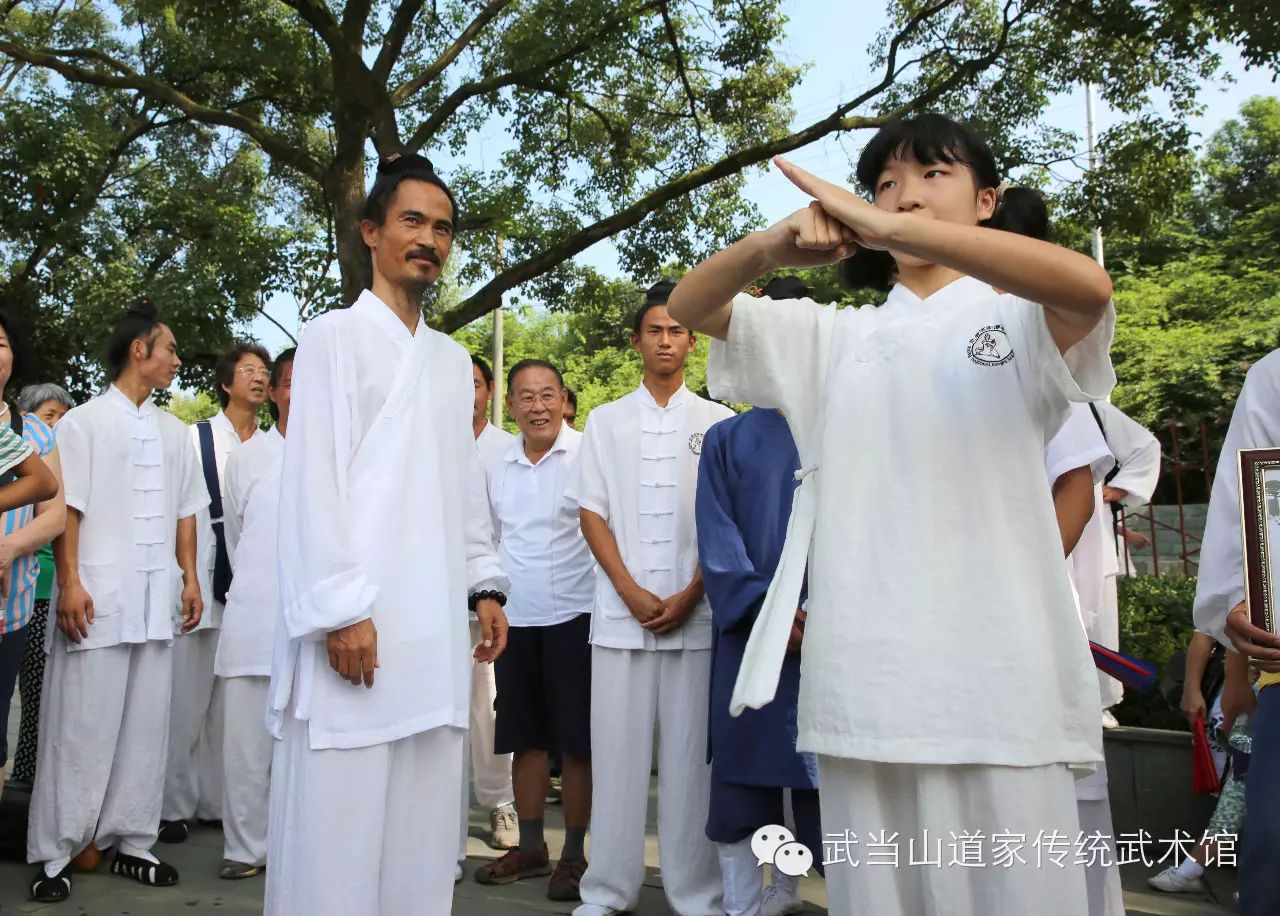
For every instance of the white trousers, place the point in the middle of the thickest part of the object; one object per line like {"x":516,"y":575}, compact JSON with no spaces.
{"x":1093,"y":806}
{"x":875,"y":801}
{"x":630,"y":690}
{"x":1106,"y":632}
{"x":104,"y":724}
{"x":491,"y":772}
{"x":743,"y":878}
{"x":246,"y":761}
{"x":369,"y":831}
{"x":193,"y":781}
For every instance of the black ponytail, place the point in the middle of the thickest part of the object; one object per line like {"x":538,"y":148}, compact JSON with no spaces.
{"x":930,"y":138}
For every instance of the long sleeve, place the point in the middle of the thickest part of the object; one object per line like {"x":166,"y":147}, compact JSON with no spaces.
{"x":1255,"y":423}
{"x":1137,"y":453}
{"x":322,"y":586}
{"x":483,"y":569}
{"x":734,"y":587}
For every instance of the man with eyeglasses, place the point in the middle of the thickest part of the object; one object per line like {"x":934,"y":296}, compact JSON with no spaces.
{"x":193,"y":778}
{"x":544,"y":677}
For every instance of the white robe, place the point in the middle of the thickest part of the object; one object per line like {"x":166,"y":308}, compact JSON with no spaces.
{"x":1102,"y":558}
{"x":252,"y":490}
{"x":383,"y":515}
{"x":128,"y":471}
{"x":1079,"y":444}
{"x":193,"y":781}
{"x":1255,"y":423}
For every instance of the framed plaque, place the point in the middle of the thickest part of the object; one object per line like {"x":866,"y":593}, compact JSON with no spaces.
{"x":1260,"y":515}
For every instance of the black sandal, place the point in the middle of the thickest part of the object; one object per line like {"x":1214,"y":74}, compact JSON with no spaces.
{"x":45,"y":889}
{"x":152,"y":874}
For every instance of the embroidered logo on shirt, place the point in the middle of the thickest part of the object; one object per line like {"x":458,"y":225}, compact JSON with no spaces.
{"x":990,"y":347}
{"x":695,"y":443}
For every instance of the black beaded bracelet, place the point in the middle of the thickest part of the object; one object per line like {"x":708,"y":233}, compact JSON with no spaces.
{"x":487,"y":595}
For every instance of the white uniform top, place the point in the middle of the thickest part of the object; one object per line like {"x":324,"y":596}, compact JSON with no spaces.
{"x":941,"y":628}
{"x":541,"y":546}
{"x":1138,"y":455}
{"x":1078,"y":444}
{"x":638,"y":470}
{"x":492,"y":443}
{"x":130,"y":473}
{"x":1255,"y":423}
{"x":225,"y":441}
{"x":251,"y":489}
{"x":383,"y":515}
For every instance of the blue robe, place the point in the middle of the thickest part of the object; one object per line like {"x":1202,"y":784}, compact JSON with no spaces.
{"x":745,"y":487}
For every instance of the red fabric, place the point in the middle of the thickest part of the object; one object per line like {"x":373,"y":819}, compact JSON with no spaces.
{"x":1204,"y":774}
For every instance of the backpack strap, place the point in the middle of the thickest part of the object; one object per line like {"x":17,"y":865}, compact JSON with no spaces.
{"x":221,"y":560}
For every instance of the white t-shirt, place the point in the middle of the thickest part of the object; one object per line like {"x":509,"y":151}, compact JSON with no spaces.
{"x":540,"y":542}
{"x":941,"y":628}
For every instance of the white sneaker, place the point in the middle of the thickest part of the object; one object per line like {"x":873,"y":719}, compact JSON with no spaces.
{"x":457,"y":873}
{"x":504,"y":828}
{"x":1109,"y":720}
{"x":595,"y":909}
{"x":776,"y":902}
{"x":1170,"y":882}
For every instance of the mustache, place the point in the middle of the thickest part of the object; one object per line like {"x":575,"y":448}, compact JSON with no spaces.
{"x":428,"y":253}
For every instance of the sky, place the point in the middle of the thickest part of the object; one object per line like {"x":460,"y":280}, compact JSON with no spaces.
{"x":818,"y":35}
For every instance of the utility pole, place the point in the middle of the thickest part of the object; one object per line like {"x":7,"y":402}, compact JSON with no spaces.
{"x":499,"y":376}
{"x":1093,"y":162}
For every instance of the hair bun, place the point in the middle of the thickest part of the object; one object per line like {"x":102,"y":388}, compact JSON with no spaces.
{"x":143,"y":309}
{"x":395,"y":163}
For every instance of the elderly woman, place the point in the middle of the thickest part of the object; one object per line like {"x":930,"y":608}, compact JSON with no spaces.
{"x":41,"y":407}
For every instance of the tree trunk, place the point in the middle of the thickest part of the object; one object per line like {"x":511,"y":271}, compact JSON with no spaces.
{"x":345,"y":189}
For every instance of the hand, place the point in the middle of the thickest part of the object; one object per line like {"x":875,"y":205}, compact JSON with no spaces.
{"x":808,"y":238}
{"x":353,"y":651}
{"x":1249,"y":640}
{"x":1193,"y":704}
{"x":644,"y":605}
{"x":1135,"y":539}
{"x":8,"y":553}
{"x":869,"y":225}
{"x":675,"y":611}
{"x":192,"y":605}
{"x":797,"y":632}
{"x":493,"y":630}
{"x":1113,"y":494}
{"x":1238,"y":699}
{"x":75,"y":612}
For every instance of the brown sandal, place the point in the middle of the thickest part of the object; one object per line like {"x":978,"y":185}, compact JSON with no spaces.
{"x":513,"y":866}
{"x":566,"y":879}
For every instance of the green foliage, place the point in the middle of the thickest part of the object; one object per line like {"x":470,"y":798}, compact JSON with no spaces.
{"x":193,"y":408}
{"x":1155,"y":622}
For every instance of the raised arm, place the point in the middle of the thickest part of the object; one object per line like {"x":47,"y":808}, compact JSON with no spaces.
{"x":806,"y":238}
{"x":1073,"y":289}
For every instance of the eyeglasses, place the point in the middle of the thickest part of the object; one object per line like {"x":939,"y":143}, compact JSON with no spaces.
{"x":252,"y":372}
{"x":546,"y":399}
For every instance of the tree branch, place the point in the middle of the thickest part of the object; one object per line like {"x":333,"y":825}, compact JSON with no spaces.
{"x":489,"y":296}
{"x":680,"y":67}
{"x":354,"y":20}
{"x":406,"y":91}
{"x":283,"y":330}
{"x":393,"y":42}
{"x":467,"y":91}
{"x":273,"y":144}
{"x":315,"y":14}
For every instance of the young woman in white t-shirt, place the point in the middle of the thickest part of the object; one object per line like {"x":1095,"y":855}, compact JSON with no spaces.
{"x":945,"y":686}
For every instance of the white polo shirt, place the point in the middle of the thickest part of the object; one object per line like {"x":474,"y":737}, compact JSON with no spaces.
{"x":541,"y":547}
